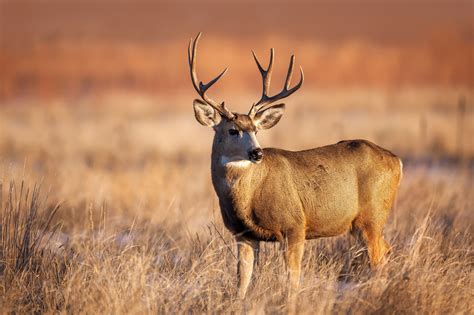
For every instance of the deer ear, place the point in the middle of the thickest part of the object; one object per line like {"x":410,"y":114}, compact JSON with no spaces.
{"x":269,"y":117}
{"x":205,"y":114}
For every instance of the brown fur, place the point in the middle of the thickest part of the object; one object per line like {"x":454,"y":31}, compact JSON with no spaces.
{"x":323,"y":191}
{"x":293,"y":196}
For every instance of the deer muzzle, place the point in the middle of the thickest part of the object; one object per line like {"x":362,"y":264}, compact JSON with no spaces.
{"x":256,"y":155}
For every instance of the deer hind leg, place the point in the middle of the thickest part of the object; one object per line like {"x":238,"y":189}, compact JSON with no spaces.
{"x":293,"y":257}
{"x":245,"y":263}
{"x":377,"y":247}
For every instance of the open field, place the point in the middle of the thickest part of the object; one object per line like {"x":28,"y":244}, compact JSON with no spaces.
{"x":95,"y":109}
{"x":139,"y":230}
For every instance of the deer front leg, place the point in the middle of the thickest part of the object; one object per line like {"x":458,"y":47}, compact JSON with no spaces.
{"x":246,"y":250}
{"x":294,"y":255}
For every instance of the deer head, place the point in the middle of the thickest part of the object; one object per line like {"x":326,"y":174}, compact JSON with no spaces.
{"x":235,"y":133}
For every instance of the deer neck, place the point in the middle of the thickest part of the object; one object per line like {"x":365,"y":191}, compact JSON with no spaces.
{"x":235,"y":184}
{"x":231,"y":174}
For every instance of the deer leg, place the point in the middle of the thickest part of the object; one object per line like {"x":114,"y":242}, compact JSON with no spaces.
{"x":377,"y":247}
{"x":294,"y":255}
{"x":245,"y":263}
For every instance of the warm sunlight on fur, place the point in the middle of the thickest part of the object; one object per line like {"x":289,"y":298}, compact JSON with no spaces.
{"x":137,"y":178}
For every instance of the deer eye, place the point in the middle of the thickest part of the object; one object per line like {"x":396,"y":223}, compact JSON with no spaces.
{"x":233,"y":132}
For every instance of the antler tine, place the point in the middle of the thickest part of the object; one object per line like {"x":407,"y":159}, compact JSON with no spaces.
{"x":200,"y":87}
{"x":266,"y":75}
{"x":266,"y":100}
{"x":290,"y":72}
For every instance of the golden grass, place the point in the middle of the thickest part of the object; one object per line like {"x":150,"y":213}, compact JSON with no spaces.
{"x":140,"y":229}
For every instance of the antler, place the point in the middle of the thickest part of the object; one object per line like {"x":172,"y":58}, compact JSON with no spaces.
{"x":199,"y":86}
{"x":266,"y":100}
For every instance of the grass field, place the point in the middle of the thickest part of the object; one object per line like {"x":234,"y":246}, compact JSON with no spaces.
{"x":138,"y":229}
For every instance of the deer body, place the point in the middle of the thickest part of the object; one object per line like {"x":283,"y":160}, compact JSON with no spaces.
{"x":320,"y":191}
{"x":286,"y":196}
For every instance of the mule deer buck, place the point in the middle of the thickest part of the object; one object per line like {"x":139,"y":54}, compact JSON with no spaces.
{"x":284,"y":196}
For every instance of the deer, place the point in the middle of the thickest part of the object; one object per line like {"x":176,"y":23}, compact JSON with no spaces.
{"x":276,"y":195}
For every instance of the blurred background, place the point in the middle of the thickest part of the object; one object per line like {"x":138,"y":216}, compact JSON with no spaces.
{"x":78,"y":48}
{"x":96,"y":108}
{"x":95,"y":95}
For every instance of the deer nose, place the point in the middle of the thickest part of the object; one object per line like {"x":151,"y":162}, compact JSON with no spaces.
{"x":256,"y":154}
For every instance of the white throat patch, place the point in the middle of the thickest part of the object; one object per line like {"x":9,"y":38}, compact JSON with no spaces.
{"x":235,"y":162}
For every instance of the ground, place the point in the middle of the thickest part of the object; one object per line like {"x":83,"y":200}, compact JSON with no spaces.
{"x":138,"y":229}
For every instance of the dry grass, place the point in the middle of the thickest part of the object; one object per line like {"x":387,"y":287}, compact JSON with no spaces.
{"x":140,"y":229}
